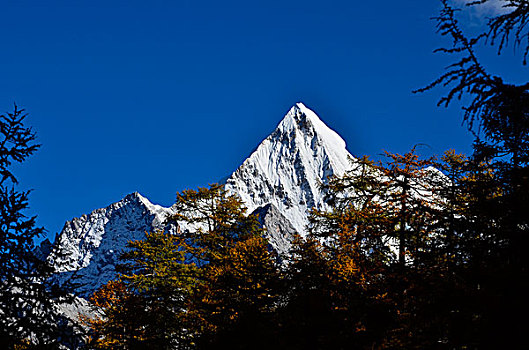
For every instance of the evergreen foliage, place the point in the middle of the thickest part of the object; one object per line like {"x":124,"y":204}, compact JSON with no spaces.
{"x":29,"y":315}
{"x":145,"y":307}
{"x":237,"y":270}
{"x":377,"y":241}
{"x":495,"y":226}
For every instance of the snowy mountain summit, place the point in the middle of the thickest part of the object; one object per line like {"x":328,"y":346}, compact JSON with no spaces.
{"x":288,"y":167}
{"x":280,"y":181}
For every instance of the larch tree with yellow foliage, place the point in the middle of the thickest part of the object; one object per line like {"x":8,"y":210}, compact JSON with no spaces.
{"x":335,"y":288}
{"x":237,"y":270}
{"x":146,"y":306}
{"x":203,"y":287}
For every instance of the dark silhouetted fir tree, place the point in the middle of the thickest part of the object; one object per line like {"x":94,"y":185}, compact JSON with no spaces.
{"x":29,"y":316}
{"x":496,"y":231}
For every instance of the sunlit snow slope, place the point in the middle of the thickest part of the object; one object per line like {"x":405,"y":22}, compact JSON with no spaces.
{"x":287,"y":168}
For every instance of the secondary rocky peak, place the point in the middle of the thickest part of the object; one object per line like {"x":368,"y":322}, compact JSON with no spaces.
{"x":91,"y":244}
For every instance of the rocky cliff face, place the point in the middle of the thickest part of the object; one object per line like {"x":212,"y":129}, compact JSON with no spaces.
{"x":90,"y":246}
{"x":279,"y":231}
{"x":280,"y":181}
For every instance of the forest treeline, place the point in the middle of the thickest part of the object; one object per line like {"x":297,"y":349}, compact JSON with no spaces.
{"x":408,"y":257}
{"x":413,"y":252}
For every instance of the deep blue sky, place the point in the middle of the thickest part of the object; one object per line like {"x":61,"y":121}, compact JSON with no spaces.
{"x":158,"y":96}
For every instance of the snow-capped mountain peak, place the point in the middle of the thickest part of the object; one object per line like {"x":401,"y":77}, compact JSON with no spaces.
{"x":302,"y":118}
{"x":288,"y":167}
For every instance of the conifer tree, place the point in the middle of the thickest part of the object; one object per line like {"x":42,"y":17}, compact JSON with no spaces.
{"x":28,"y":301}
{"x":146,"y":306}
{"x":335,"y":297}
{"x":408,"y":191}
{"x":204,"y":287}
{"x":384,"y":237}
{"x":237,"y":270}
{"x":119,"y":318}
{"x":336,"y":292}
{"x":497,"y":185}
{"x":356,"y":207}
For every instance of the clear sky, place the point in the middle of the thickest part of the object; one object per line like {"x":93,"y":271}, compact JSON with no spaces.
{"x":157,"y":96}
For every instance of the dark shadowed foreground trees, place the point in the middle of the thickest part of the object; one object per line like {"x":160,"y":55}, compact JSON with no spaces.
{"x":29,"y":317}
{"x":379,"y":268}
{"x":497,"y":224}
{"x":497,"y":112}
{"x":350,"y":283}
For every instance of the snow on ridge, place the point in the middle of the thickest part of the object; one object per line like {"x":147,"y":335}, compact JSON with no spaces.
{"x":160,"y":213}
{"x":333,"y":142}
{"x":328,"y":135}
{"x":91,"y":244}
{"x":288,"y":167}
